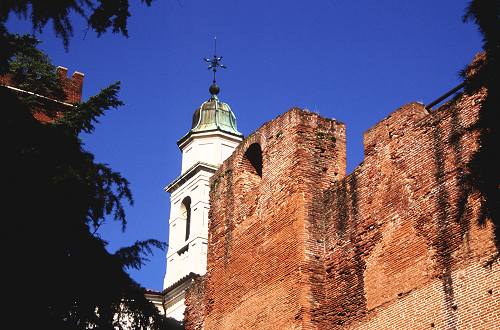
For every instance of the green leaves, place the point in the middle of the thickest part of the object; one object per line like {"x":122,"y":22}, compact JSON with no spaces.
{"x":84,"y":115}
{"x":135,"y":256}
{"x":100,"y":15}
{"x":484,"y":174}
{"x":108,"y":189}
{"x":58,"y":197}
{"x":33,"y":71}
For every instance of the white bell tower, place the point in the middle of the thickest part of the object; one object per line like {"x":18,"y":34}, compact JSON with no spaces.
{"x":212,"y":139}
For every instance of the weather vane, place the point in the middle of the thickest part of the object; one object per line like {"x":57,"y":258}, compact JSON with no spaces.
{"x":214,"y":64}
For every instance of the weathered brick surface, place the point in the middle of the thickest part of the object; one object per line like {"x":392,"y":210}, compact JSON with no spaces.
{"x":399,"y":243}
{"x":51,"y":110}
{"x":195,"y":315}
{"x":405,"y":244}
{"x":260,"y":268}
{"x":72,"y":86}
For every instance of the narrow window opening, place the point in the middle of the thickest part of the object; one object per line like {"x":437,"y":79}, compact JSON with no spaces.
{"x":254,"y":157}
{"x":186,"y":214}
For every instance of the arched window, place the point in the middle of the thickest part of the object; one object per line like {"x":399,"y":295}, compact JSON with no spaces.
{"x":186,"y":214}
{"x":253,"y":157}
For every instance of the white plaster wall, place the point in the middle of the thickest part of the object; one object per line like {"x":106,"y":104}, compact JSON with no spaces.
{"x":205,"y":147}
{"x":174,"y":304}
{"x":212,"y":148}
{"x":176,"y":310}
{"x":197,"y":188}
{"x":194,"y":259}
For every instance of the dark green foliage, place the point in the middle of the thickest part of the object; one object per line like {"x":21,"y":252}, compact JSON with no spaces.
{"x":484,"y":166}
{"x":86,"y":113}
{"x":33,"y":71}
{"x":100,"y":15}
{"x":61,"y":275}
{"x":9,"y":45}
{"x":132,"y":256}
{"x":486,"y":15}
{"x":57,"y":196}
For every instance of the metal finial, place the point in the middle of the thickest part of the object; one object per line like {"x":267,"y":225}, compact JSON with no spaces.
{"x":214,"y":64}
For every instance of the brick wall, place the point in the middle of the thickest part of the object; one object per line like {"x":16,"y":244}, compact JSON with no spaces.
{"x":258,"y":231}
{"x":195,"y":315}
{"x":401,"y":243}
{"x":72,"y":87}
{"x":406,"y":244}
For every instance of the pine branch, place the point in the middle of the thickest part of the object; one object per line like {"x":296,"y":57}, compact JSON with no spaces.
{"x":101,"y":15}
{"x":32,"y":70}
{"x":135,"y":256}
{"x":85,"y":114}
{"x":108,"y":189}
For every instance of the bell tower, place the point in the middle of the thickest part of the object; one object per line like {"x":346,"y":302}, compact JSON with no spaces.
{"x":212,"y":138}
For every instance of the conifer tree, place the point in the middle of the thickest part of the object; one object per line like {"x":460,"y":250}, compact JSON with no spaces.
{"x":484,"y":166}
{"x":60,"y":274}
{"x":58,"y":195}
{"x":100,"y":15}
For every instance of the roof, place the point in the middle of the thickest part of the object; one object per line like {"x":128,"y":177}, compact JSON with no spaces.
{"x":213,"y":115}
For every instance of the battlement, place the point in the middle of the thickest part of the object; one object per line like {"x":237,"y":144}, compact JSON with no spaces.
{"x":405,"y":229}
{"x":293,"y":133}
{"x":50,"y":107}
{"x":295,"y":243}
{"x":72,"y":86}
{"x":260,"y":200}
{"x":390,"y":129}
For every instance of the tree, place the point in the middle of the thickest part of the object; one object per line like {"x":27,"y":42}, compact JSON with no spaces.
{"x":100,"y":16}
{"x":60,"y":274}
{"x":484,"y":174}
{"x":59,"y":196}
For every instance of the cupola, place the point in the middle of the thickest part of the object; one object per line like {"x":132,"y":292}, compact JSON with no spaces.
{"x":214,"y":115}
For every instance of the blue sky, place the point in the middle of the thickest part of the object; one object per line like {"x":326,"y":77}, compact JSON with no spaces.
{"x":355,"y":61}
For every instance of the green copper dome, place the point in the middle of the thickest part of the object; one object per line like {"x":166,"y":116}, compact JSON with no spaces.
{"x":214,"y":115}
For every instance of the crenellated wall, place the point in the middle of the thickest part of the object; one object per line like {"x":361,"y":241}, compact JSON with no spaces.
{"x":258,"y":233}
{"x":406,"y":245}
{"x":72,"y":86}
{"x":402,"y":242}
{"x":50,"y":107}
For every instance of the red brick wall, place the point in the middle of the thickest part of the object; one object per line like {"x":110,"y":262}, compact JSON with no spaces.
{"x":195,"y":315}
{"x":72,"y":86}
{"x":406,"y":246}
{"x":401,"y":243}
{"x":259,"y":266}
{"x":51,"y":110}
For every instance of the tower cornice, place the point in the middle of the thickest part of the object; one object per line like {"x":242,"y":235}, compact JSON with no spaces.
{"x":189,"y":174}
{"x":183,"y":141}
